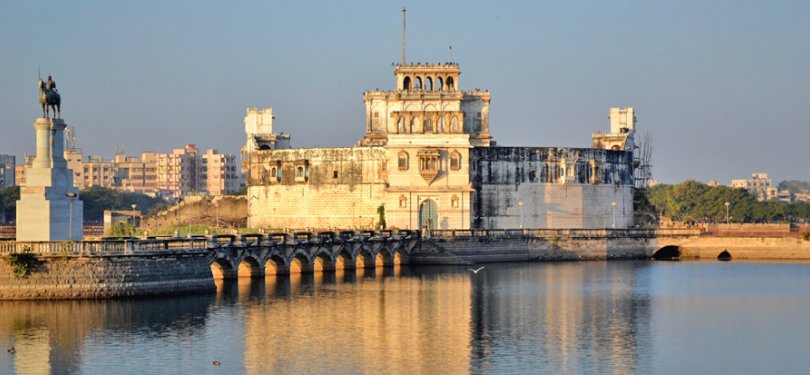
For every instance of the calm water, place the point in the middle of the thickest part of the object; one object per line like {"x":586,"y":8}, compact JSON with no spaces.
{"x":588,"y":317}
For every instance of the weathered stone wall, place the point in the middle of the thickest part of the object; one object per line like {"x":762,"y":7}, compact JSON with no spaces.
{"x":72,"y":277}
{"x":538,"y":187}
{"x":480,"y":250}
{"x":762,"y":248}
{"x":316,"y":188}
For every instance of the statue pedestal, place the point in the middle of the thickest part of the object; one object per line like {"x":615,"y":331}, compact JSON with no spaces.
{"x":49,"y":208}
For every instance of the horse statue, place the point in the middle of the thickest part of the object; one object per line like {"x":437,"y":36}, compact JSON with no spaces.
{"x":49,"y":98}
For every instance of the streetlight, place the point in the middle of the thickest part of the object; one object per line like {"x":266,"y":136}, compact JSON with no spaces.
{"x":216,"y":209}
{"x":613,"y":207}
{"x":727,"y":217}
{"x":70,"y":195}
{"x":133,"y":214}
{"x":520,"y":204}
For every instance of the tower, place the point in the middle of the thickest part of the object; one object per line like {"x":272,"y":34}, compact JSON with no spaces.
{"x":49,"y":208}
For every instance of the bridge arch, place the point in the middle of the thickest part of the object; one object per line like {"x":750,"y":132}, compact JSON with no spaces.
{"x":249,"y":267}
{"x":669,"y":252}
{"x":323,"y":262}
{"x":275,"y":265}
{"x":344,"y":260}
{"x":221,"y":268}
{"x":364,"y":259}
{"x":300,"y":263}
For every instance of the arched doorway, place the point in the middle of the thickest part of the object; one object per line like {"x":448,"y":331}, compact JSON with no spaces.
{"x":428,"y":215}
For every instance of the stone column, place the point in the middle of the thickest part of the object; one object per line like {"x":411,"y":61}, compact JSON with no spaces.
{"x":43,"y":130}
{"x":58,"y":143}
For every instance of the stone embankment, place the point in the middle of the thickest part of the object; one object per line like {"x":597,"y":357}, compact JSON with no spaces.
{"x":96,"y":269}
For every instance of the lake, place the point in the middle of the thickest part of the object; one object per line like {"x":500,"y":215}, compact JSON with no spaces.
{"x":538,"y":318}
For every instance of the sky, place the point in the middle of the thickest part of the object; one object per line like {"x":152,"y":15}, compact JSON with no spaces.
{"x":722,"y":87}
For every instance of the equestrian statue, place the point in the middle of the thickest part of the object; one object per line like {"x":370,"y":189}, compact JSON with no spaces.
{"x":49,"y":98}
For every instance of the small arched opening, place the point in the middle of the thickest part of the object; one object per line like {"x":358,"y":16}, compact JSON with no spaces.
{"x":439,"y":83}
{"x":300,"y":264}
{"x":406,"y":83}
{"x":221,"y":270}
{"x":275,"y":266}
{"x":399,"y":258}
{"x":322,"y":263}
{"x":417,"y":83}
{"x":724,"y":256}
{"x":343,"y":261}
{"x":429,"y":83}
{"x":364,"y":260}
{"x":248,"y":268}
{"x":450,"y":84}
{"x":670,"y":252}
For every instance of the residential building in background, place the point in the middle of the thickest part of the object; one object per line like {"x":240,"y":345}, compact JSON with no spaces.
{"x":7,"y":171}
{"x":759,"y":185}
{"x":169,"y":175}
{"x":219,"y":174}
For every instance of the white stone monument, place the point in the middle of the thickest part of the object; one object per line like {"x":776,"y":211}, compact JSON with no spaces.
{"x":49,"y":208}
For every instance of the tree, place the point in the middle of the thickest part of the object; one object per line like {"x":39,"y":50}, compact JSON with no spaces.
{"x":97,"y":199}
{"x":8,"y":202}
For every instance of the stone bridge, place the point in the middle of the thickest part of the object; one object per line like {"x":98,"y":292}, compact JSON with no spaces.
{"x":256,"y":255}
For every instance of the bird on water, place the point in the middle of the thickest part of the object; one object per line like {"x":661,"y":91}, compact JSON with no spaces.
{"x":476,"y":270}
{"x":217,"y":363}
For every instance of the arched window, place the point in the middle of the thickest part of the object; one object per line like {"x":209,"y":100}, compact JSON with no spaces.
{"x":428,"y":126}
{"x":406,"y":83}
{"x":441,"y":125}
{"x":455,"y":160}
{"x":439,"y":83}
{"x":454,"y":201}
{"x":417,"y":84}
{"x":401,"y":125}
{"x":450,"y":86}
{"x":429,"y":83}
{"x":299,"y":172}
{"x":454,"y":125}
{"x":402,"y":161}
{"x":414,"y":125}
{"x":403,"y":201}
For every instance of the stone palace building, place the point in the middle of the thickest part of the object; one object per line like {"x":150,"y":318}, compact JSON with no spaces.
{"x":428,"y":158}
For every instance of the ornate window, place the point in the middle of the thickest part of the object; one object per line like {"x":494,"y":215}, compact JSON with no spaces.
{"x":402,"y":161}
{"x":403,"y":201}
{"x":429,"y":161}
{"x":455,"y":160}
{"x":454,"y":201}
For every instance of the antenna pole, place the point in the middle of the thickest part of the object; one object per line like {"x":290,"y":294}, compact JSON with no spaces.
{"x":403,"y":35}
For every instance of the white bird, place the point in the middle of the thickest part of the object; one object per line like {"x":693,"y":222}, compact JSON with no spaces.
{"x":475,"y":270}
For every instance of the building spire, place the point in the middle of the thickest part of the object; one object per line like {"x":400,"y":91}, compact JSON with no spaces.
{"x":403,"y":35}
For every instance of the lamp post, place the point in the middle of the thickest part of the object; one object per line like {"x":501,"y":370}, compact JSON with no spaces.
{"x":520,"y":205}
{"x":727,"y":217}
{"x":613,"y":208}
{"x":133,"y":214}
{"x":70,"y":195}
{"x":216,"y":209}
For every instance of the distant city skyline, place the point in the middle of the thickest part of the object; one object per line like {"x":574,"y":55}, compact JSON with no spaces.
{"x":723,"y":86}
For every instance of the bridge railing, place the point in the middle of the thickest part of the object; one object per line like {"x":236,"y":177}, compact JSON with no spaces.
{"x":103,"y":247}
{"x":459,"y":234}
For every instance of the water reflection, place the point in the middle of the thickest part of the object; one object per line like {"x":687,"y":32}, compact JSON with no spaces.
{"x":590,"y":317}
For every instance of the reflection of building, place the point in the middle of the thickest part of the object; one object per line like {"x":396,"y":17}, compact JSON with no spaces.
{"x":428,"y":159}
{"x":366,"y":327}
{"x":759,"y":185}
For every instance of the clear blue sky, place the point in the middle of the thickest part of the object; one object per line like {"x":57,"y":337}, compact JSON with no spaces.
{"x":724,"y":86}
